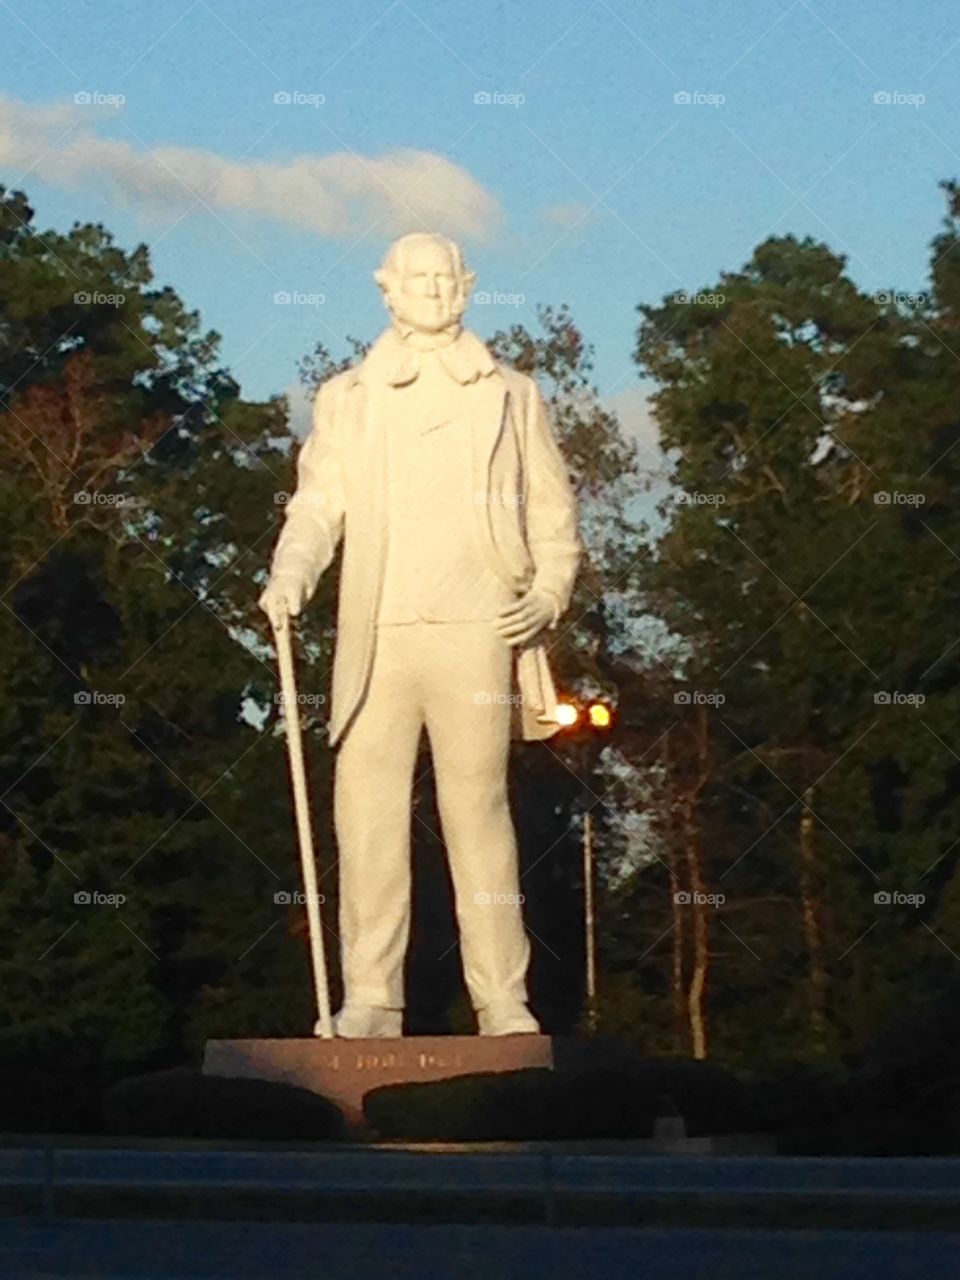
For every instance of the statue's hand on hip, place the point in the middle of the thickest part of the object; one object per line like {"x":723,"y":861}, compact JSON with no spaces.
{"x":283,"y":597}
{"x":526,"y":617}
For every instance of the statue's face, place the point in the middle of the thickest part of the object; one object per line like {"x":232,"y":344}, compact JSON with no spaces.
{"x":428,"y":293}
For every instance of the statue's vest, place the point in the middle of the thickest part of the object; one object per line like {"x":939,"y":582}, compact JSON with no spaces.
{"x":435,"y":568}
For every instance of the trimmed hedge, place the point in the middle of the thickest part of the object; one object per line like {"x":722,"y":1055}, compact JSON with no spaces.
{"x":183,"y":1103}
{"x":589,"y":1102}
{"x":521,"y":1105}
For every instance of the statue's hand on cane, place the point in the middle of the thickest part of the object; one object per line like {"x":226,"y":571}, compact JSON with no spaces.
{"x":283,"y":598}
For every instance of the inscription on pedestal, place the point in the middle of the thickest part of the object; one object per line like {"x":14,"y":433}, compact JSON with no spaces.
{"x":344,"y":1071}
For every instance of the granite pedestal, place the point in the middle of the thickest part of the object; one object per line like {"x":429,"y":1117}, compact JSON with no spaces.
{"x":345,"y":1070}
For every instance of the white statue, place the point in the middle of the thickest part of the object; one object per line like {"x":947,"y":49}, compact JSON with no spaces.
{"x":438,"y":468}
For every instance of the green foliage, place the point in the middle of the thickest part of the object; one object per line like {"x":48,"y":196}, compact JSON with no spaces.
{"x":186,"y":1104}
{"x":813,"y":611}
{"x":140,"y":836}
{"x":595,"y":1100}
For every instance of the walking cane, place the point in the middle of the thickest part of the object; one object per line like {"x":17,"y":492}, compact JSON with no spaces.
{"x":301,"y":804}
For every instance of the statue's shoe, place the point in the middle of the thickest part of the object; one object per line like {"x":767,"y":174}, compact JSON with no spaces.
{"x":507,"y":1019}
{"x":367,"y":1022}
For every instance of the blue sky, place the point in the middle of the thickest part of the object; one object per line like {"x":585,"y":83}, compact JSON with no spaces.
{"x":583,"y":181}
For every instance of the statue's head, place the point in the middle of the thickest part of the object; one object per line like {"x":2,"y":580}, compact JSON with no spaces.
{"x":425,"y":281}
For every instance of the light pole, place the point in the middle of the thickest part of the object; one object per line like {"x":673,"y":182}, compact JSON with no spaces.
{"x":589,"y":922}
{"x":598,"y":719}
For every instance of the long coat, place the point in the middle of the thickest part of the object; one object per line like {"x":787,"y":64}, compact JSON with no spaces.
{"x":524,"y":506}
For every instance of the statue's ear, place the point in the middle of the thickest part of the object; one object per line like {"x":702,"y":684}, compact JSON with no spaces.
{"x":469,"y":280}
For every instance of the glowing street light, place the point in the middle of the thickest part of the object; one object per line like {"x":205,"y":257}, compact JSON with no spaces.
{"x":598,"y":713}
{"x":567,"y":714}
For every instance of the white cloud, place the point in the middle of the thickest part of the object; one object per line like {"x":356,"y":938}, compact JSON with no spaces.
{"x":333,"y":195}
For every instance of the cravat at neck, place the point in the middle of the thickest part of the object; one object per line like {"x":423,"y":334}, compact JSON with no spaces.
{"x":417,"y":340}
{"x":462,"y":356}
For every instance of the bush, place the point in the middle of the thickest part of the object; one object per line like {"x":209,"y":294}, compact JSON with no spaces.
{"x":797,"y":1097}
{"x":621,"y":1099}
{"x":186,"y":1104}
{"x":490,"y":1106}
{"x":617,"y":1102}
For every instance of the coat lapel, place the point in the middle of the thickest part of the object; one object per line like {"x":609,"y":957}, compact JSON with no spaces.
{"x":486,"y":418}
